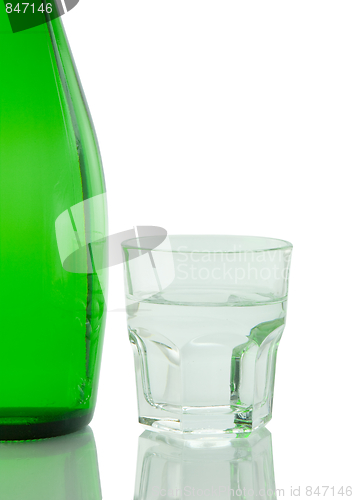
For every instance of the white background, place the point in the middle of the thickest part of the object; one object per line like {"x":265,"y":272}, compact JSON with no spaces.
{"x":234,"y":117}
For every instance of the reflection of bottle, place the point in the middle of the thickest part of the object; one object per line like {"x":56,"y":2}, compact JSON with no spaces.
{"x":224,"y":467}
{"x":52,"y":202}
{"x":64,"y":468}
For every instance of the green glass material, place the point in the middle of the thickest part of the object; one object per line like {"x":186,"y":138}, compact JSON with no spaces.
{"x":52,"y":205}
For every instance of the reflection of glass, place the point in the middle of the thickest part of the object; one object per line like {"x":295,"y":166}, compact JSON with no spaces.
{"x":63,"y":468}
{"x":222,"y":468}
{"x":205,"y":317}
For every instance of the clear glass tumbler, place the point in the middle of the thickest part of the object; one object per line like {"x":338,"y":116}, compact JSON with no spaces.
{"x":205,"y":317}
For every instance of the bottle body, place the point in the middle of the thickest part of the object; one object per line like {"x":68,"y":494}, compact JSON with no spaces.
{"x":53,"y":314}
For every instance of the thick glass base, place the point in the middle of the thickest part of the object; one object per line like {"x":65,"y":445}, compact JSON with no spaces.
{"x":205,"y":424}
{"x":20,"y":428}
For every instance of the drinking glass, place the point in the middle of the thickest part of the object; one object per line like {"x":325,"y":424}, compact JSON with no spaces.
{"x":205,"y":317}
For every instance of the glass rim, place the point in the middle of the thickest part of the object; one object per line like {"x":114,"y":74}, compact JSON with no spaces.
{"x":274,"y":244}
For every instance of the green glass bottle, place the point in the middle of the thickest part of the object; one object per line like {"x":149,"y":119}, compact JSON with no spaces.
{"x":52,"y":237}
